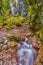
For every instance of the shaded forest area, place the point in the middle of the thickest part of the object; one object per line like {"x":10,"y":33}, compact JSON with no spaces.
{"x":20,"y":19}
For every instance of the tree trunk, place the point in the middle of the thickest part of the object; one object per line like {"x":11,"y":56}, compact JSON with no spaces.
{"x":0,"y":7}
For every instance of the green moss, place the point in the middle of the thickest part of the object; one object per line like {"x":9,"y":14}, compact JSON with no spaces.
{"x":13,"y":38}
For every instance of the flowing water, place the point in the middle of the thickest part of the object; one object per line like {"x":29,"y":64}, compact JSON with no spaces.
{"x":21,"y":7}
{"x":26,"y":54}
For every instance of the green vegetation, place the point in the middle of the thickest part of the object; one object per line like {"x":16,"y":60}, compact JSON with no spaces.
{"x":35,"y":16}
{"x":13,"y":38}
{"x":17,"y":20}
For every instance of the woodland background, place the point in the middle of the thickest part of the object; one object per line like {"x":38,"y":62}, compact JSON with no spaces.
{"x":29,"y":25}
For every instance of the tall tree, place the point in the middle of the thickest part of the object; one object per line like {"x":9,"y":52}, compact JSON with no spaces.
{"x":0,"y":7}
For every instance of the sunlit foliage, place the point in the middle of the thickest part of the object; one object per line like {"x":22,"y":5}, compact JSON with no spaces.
{"x":34,"y":17}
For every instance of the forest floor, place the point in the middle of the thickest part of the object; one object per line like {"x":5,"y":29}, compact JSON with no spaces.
{"x":8,"y":51}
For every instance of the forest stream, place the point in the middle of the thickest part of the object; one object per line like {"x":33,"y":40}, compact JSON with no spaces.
{"x":21,"y":32}
{"x":8,"y":50}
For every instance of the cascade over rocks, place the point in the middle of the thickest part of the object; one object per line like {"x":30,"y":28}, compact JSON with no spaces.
{"x":13,"y":9}
{"x":21,"y":7}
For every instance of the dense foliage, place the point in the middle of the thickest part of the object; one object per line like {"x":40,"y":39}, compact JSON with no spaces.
{"x":34,"y":17}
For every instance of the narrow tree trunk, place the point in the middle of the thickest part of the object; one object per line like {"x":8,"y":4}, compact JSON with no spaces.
{"x":0,"y":7}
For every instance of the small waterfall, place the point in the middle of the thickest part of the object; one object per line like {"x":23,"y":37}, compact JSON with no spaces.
{"x":13,"y":9}
{"x":26,"y":53}
{"x":21,"y":7}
